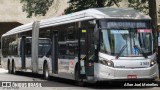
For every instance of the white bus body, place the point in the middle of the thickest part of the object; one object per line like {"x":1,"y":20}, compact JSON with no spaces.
{"x":96,"y":44}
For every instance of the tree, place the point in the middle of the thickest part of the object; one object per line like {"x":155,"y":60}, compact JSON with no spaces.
{"x":141,"y":5}
{"x":40,"y":7}
{"x":153,"y":12}
{"x":36,"y":7}
{"x":146,"y":6}
{"x":78,"y":5}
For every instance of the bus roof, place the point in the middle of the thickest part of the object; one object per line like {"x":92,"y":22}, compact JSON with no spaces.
{"x":22,"y":28}
{"x":93,"y":13}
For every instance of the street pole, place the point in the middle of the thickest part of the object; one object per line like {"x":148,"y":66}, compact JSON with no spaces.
{"x":153,"y":15}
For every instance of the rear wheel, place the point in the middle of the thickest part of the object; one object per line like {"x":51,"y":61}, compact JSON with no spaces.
{"x":46,"y":71}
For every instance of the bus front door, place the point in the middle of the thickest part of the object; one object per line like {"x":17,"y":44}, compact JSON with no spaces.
{"x":86,"y":66}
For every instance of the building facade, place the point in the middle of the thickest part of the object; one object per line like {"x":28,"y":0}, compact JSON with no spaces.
{"x":11,"y":14}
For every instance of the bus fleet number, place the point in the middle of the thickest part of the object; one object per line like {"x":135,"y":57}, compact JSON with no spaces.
{"x":144,"y":63}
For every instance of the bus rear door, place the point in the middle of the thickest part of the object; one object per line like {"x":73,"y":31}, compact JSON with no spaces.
{"x":23,"y":56}
{"x":55,"y":52}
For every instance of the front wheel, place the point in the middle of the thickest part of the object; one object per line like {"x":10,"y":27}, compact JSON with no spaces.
{"x":46,"y":72}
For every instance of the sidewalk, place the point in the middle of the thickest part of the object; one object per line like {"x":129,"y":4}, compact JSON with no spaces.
{"x":3,"y":70}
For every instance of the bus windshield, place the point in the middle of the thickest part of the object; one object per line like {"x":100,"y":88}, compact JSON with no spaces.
{"x":127,"y":39}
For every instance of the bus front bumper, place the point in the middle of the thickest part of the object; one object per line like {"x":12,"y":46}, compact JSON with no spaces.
{"x":105,"y":73}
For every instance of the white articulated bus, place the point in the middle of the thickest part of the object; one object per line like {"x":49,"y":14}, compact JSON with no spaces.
{"x":97,"y":44}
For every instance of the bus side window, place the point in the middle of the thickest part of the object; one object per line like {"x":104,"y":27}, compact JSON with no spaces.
{"x":28,"y":49}
{"x":71,"y":42}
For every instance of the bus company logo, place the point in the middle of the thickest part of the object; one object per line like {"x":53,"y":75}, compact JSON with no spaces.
{"x":6,"y":85}
{"x":9,"y":85}
{"x":17,"y":85}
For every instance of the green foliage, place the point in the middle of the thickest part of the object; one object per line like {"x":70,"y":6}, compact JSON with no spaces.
{"x":40,"y":7}
{"x":141,"y":5}
{"x":36,"y":7}
{"x":78,"y":5}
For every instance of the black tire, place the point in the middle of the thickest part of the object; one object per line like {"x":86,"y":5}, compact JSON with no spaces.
{"x":13,"y":68}
{"x":46,"y":72}
{"x":78,"y":82}
{"x":9,"y":68}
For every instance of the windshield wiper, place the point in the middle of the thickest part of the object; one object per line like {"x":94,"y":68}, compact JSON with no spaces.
{"x":120,"y":52}
{"x":141,"y":51}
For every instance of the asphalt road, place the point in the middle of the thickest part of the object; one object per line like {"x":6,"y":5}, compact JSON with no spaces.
{"x":57,"y":83}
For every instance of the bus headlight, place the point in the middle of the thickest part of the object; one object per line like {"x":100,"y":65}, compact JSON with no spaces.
{"x":153,"y":62}
{"x":107,"y":63}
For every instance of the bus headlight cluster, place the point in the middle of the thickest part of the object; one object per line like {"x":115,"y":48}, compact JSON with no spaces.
{"x":153,"y":62}
{"x":106,"y":62}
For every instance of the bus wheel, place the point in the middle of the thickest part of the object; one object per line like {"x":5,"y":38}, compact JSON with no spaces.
{"x":13,"y":68}
{"x":9,"y":68}
{"x":46,"y":71}
{"x":78,"y":82}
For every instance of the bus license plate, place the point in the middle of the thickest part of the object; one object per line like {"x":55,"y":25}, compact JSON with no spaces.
{"x":132,"y":76}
